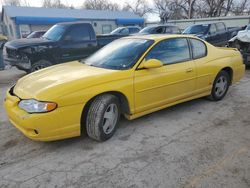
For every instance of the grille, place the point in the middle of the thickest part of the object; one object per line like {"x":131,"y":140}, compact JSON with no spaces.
{"x":12,"y":53}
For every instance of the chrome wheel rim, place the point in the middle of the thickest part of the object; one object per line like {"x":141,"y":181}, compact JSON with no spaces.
{"x":221,"y":86}
{"x":110,"y":118}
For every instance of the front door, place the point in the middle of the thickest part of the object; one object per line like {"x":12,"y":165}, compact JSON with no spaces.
{"x":167,"y":84}
{"x":77,"y":44}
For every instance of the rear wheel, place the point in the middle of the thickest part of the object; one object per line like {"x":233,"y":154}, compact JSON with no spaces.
{"x":220,"y":86}
{"x":41,"y":64}
{"x":102,"y":117}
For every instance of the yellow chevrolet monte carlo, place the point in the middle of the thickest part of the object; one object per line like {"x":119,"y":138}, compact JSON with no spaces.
{"x":132,"y":76}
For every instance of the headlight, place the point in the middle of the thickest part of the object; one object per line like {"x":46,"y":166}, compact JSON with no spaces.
{"x":34,"y":106}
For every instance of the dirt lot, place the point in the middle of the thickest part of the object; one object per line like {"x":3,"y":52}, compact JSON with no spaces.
{"x":195,"y":144}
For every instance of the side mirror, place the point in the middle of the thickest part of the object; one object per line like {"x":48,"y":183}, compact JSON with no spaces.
{"x":151,"y":63}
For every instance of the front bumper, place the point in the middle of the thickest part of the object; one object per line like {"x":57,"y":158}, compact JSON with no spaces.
{"x":64,"y":122}
{"x":20,"y":64}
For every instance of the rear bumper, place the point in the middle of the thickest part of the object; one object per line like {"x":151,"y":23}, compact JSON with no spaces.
{"x":238,"y":73}
{"x":64,"y":122}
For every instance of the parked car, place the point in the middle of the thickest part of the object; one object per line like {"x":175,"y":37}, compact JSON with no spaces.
{"x":133,"y":76}
{"x":36,"y":34}
{"x":242,"y":42}
{"x":118,"y":33}
{"x":160,"y":29}
{"x":215,"y":33}
{"x":125,"y":30}
{"x":61,"y":43}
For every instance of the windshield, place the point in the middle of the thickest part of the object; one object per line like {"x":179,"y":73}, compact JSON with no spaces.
{"x":196,"y":29}
{"x":121,"y":54}
{"x":55,"y":32}
{"x":117,"y":30}
{"x":146,"y":30}
{"x":248,"y":27}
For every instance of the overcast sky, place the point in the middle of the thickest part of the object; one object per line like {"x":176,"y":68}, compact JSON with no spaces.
{"x":79,"y":3}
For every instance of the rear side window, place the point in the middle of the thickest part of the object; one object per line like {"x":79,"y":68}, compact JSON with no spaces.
{"x":159,"y":30}
{"x":220,"y":27}
{"x":175,"y":30}
{"x":168,"y":30}
{"x":170,"y":51}
{"x":199,"y":49}
{"x":78,"y":33}
{"x":133,"y":30}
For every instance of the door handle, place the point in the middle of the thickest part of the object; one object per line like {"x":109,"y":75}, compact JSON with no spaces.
{"x":189,"y":70}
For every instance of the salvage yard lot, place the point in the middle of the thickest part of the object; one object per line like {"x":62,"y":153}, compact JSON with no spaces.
{"x":198,"y":143}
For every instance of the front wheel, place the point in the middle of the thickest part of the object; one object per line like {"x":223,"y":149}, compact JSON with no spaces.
{"x":220,"y":86}
{"x":41,"y":64}
{"x":102,"y":117}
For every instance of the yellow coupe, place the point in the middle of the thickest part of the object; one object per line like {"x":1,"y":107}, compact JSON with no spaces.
{"x":132,"y":76}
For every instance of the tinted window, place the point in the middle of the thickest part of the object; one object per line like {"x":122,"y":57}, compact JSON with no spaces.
{"x":196,"y":29}
{"x":159,"y":30}
{"x":175,"y":30}
{"x":78,"y":33}
{"x":212,"y":29}
{"x":168,"y":30}
{"x":198,"y":48}
{"x":220,"y":27}
{"x":133,"y":30}
{"x":170,"y":51}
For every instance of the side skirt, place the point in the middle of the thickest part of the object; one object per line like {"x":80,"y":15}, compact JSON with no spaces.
{"x":137,"y":115}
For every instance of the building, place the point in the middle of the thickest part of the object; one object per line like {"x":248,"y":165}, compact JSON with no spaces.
{"x":19,"y":21}
{"x":230,"y":21}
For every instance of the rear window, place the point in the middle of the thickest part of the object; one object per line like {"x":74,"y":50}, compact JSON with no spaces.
{"x":199,"y":49}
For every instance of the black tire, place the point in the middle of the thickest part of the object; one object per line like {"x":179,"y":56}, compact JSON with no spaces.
{"x":40,"y":65}
{"x":96,"y":123}
{"x":216,"y":93}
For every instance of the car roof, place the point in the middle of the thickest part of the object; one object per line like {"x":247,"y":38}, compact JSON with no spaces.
{"x":159,"y":37}
{"x":73,"y":23}
{"x":166,"y":25}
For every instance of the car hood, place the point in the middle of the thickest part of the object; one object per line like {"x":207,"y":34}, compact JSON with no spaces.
{"x":56,"y":81}
{"x":243,"y":36}
{"x":20,"y":43}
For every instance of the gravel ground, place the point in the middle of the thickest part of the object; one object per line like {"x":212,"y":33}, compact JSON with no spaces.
{"x":199,"y":144}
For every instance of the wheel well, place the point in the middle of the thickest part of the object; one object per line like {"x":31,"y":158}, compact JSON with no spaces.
{"x":123,"y":101}
{"x":230,"y":72}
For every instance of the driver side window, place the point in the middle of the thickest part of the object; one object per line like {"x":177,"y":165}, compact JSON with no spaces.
{"x":170,"y":51}
{"x":78,"y":33}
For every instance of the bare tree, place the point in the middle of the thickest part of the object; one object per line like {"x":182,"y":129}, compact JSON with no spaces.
{"x":139,"y":7}
{"x":186,"y":9}
{"x":100,"y":5}
{"x":55,"y":4}
{"x":12,"y":2}
{"x":241,"y":7}
{"x":175,"y":9}
{"x":15,"y":2}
